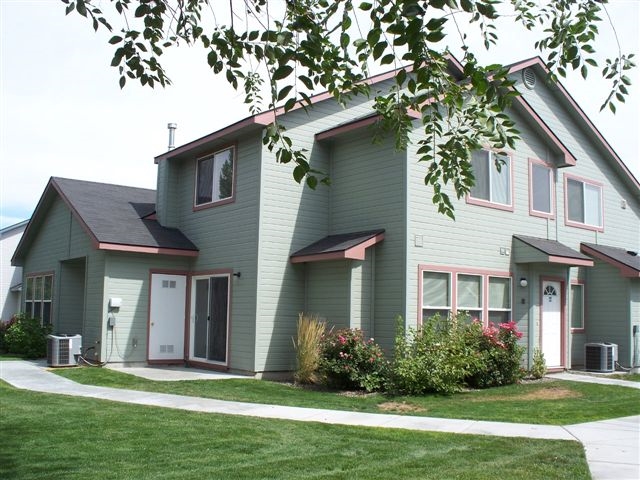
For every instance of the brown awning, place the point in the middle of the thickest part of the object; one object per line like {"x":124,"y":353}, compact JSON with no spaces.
{"x":540,"y":250}
{"x":336,"y":247}
{"x":627,"y":261}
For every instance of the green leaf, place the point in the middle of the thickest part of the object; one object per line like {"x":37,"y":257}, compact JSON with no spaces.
{"x":298,"y":173}
{"x":115,"y":39}
{"x":312,"y":182}
{"x":282,"y":94}
{"x":283,"y":71}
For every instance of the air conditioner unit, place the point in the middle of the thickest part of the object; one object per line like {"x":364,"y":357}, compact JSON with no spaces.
{"x":63,"y":350}
{"x":600,"y":356}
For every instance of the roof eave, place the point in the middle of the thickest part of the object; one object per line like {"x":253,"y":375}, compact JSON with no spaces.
{"x":625,"y":270}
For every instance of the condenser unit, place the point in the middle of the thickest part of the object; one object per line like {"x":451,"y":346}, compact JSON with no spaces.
{"x":600,"y":356}
{"x":63,"y":350}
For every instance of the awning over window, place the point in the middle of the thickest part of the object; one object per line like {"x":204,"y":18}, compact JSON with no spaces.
{"x":628,"y":262}
{"x":336,"y":247}
{"x":540,"y":250}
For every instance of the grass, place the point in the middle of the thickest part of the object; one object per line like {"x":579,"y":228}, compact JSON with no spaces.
{"x":54,"y":436}
{"x":631,"y":377}
{"x":552,"y":402}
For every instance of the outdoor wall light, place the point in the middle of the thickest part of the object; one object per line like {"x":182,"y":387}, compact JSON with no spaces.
{"x":237,"y":274}
{"x":523,"y":282}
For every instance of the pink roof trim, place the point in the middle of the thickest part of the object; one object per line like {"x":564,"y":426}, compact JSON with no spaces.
{"x":569,"y":159}
{"x":537,"y":61}
{"x":356,"y":252}
{"x":570,"y":261}
{"x":625,"y":270}
{"x":138,"y":249}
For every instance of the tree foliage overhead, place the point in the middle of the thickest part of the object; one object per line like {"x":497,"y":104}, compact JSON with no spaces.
{"x":294,"y":48}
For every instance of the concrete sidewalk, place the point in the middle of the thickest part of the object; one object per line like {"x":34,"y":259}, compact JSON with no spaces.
{"x":611,"y":446}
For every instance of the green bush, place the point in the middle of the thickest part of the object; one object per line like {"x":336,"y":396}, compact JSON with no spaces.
{"x":4,"y":326}
{"x":348,"y":361}
{"x":307,"y":346}
{"x":27,"y":337}
{"x":434,"y":358}
{"x":539,"y":367}
{"x":498,"y":353}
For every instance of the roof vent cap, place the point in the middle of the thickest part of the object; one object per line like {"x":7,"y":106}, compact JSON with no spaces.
{"x":529,"y":78}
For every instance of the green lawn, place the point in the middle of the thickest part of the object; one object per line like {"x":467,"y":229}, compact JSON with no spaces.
{"x":55,"y":436}
{"x":550,"y":402}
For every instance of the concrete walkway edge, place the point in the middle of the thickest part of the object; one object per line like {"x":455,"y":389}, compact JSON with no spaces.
{"x":611,"y":446}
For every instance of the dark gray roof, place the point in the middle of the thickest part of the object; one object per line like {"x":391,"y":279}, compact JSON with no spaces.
{"x":551,"y":247}
{"x":116,"y":214}
{"x":619,"y":255}
{"x":337,"y":243}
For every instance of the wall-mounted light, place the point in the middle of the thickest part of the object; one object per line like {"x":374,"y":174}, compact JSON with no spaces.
{"x":237,"y":274}
{"x":523,"y":282}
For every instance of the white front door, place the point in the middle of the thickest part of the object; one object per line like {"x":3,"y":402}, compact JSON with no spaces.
{"x":167,"y":317}
{"x":551,"y":328}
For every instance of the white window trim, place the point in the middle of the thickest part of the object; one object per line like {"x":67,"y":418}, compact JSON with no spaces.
{"x":453,"y":273}
{"x":490,"y":203}
{"x":581,"y":285}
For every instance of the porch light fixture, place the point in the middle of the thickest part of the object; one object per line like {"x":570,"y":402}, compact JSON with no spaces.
{"x":237,"y":274}
{"x":523,"y":282}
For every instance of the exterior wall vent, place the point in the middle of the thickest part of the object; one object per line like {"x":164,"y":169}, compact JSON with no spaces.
{"x":600,"y":357}
{"x":529,"y":78}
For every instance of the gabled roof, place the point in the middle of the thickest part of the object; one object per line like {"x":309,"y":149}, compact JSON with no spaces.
{"x":541,"y":250}
{"x":628,"y":262}
{"x":113,"y":216}
{"x":335,"y":247}
{"x":578,"y":114}
{"x":13,"y":229}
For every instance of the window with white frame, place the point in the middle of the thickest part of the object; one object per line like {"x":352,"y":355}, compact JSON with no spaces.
{"x":499,"y":308}
{"x":436,"y":294}
{"x":492,"y":173}
{"x":38,"y":297}
{"x":541,"y":195}
{"x":214,"y":177}
{"x":577,"y":306}
{"x":485,"y":297}
{"x":469,"y":295}
{"x":584,"y":202}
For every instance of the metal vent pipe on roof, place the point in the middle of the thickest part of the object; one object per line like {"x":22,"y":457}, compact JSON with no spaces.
{"x":172,"y":135}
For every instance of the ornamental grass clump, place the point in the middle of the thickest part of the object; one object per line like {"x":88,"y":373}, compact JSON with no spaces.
{"x":351,"y":362}
{"x":307,"y":345}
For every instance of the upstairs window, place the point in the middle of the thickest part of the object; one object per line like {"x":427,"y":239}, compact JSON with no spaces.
{"x":492,"y":173}
{"x":38,"y":296}
{"x":214,"y":177}
{"x":541,"y":189}
{"x":584,"y":203}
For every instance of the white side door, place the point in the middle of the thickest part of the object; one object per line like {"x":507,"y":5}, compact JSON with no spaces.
{"x":167,"y":317}
{"x":552,"y":323}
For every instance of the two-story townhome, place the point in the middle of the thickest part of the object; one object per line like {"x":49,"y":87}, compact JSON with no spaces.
{"x":215,"y":266}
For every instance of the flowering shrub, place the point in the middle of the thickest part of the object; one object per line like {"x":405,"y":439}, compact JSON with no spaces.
{"x":350,"y":362}
{"x":498,"y":353}
{"x":435,"y":358}
{"x":25,"y":336}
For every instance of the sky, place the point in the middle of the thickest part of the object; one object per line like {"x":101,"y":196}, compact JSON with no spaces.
{"x":63,"y":114}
